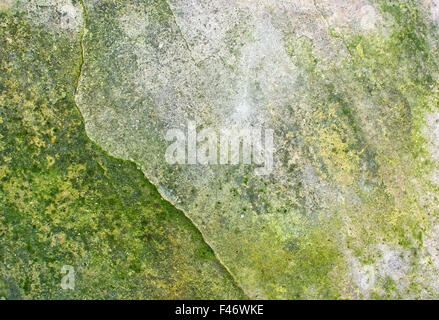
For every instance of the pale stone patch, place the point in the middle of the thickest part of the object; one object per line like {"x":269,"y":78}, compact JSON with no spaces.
{"x":134,"y":24}
{"x":429,"y":260}
{"x":59,"y":16}
{"x":433,"y":7}
{"x":431,"y":132}
{"x":5,"y":4}
{"x":435,"y":177}
{"x":435,"y":10}
{"x":309,"y":21}
{"x":355,"y":14}
{"x":432,"y":246}
{"x":204,"y":24}
{"x":264,"y":63}
{"x":70,"y":16}
{"x":368,"y":17}
{"x":260,"y":71}
{"x":391,"y":262}
{"x":363,"y":276}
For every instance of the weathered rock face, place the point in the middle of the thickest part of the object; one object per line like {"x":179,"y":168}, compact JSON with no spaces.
{"x":65,"y":202}
{"x":350,"y":90}
{"x":347,"y":88}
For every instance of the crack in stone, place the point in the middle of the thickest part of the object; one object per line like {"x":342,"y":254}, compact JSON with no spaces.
{"x":82,"y":47}
{"x":181,"y":33}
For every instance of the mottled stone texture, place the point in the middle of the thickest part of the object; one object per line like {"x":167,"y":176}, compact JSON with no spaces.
{"x":64,"y":201}
{"x":350,"y":89}
{"x":351,"y":206}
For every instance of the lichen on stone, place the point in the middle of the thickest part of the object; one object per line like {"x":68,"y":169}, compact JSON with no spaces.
{"x":350,"y":90}
{"x":64,"y":201}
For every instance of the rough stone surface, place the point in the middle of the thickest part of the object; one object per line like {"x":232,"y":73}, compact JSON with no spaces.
{"x":345,"y":86}
{"x":64,"y":201}
{"x":350,"y":89}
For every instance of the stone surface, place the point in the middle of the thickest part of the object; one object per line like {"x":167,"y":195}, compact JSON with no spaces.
{"x":64,"y":201}
{"x":346,"y":88}
{"x":350,"y":90}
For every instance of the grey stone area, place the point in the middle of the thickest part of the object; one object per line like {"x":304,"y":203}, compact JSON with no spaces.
{"x":350,"y":90}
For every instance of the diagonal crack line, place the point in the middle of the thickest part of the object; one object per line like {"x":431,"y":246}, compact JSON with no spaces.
{"x":81,"y":64}
{"x":321,"y":13}
{"x":186,"y":44}
{"x":232,"y":276}
{"x":237,"y":283}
